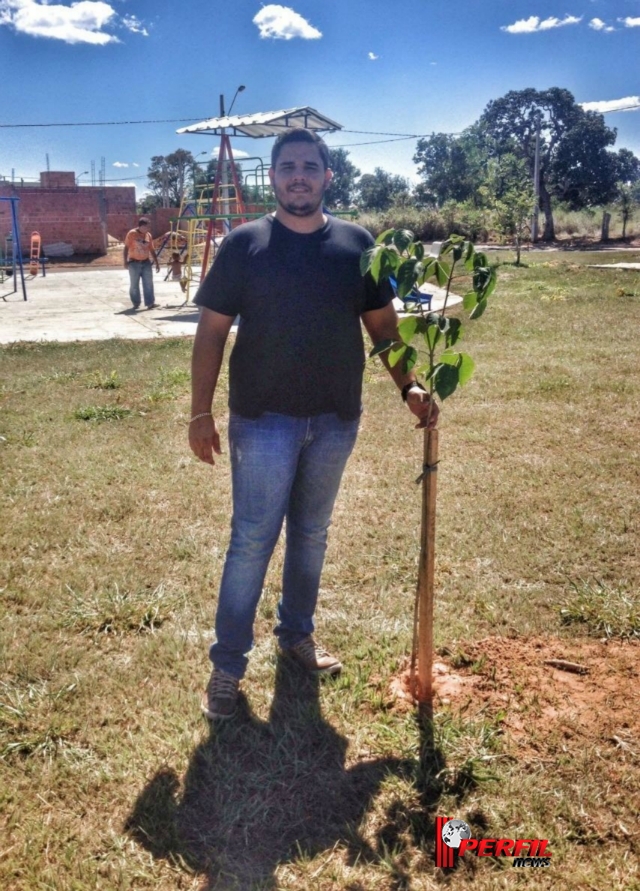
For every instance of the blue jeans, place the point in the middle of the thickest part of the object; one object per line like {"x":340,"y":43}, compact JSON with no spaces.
{"x":141,"y":269}
{"x":281,"y":467}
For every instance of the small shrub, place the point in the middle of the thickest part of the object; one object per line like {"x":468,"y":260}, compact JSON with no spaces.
{"x":101,"y":381}
{"x":101,"y":413}
{"x":604,"y":611}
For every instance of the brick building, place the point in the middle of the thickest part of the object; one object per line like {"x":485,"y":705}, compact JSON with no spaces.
{"x":64,"y":212}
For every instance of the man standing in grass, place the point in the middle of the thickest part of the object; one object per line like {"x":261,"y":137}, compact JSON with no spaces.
{"x":138,"y":251}
{"x":295,"y":384}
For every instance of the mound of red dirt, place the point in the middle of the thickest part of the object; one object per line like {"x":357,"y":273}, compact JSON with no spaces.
{"x":578,"y":690}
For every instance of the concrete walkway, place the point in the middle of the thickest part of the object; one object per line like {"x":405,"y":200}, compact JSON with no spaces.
{"x":91,"y":305}
{"x":614,"y":266}
{"x":78,"y":304}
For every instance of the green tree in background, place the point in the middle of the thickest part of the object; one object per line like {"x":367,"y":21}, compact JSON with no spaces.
{"x":509,"y":191}
{"x":450,"y":167}
{"x":170,"y":176}
{"x":380,"y":189}
{"x":574,"y":164}
{"x":342,"y":188}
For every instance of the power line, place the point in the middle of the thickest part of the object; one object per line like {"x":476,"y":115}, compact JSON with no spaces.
{"x":100,"y":123}
{"x":629,"y":107}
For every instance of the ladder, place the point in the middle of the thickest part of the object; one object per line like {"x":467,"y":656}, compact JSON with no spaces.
{"x":35,"y":253}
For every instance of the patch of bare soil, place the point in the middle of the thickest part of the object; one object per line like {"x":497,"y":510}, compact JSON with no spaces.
{"x":583,"y":691}
{"x":111,"y":260}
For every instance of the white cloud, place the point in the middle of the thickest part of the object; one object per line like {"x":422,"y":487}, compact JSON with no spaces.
{"x":131,"y":23}
{"x":534,"y":23}
{"x":83,"y":21}
{"x":631,"y":22}
{"x":237,"y":153}
{"x":373,"y":57}
{"x":119,"y":164}
{"x":135,"y":165}
{"x":283,"y":23}
{"x":630,"y":103}
{"x":599,"y":25}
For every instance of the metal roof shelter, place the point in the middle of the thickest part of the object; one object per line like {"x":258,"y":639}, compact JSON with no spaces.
{"x":267,"y":123}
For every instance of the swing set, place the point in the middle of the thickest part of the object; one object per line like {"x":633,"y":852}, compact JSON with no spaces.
{"x":216,"y":208}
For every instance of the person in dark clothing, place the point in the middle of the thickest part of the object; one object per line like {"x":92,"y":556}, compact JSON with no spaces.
{"x":295,"y":388}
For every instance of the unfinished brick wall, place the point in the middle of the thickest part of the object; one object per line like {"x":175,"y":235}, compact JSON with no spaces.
{"x":55,"y":179}
{"x":160,"y":220}
{"x":61,"y":211}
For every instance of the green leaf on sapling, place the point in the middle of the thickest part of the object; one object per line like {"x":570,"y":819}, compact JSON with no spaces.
{"x":389,"y":263}
{"x":407,"y":277}
{"x":445,"y":380}
{"x":450,"y":243}
{"x":409,"y":359}
{"x":385,"y":237}
{"x":428,"y":269}
{"x":370,"y":261}
{"x":454,"y":333}
{"x":442,"y":272}
{"x":468,"y":255}
{"x":470,"y":300}
{"x":381,"y":347}
{"x":487,"y":281}
{"x":407,"y":328}
{"x":432,"y":336}
{"x":396,"y":353}
{"x":478,"y":310}
{"x":449,"y":358}
{"x":402,"y":239}
{"x":465,"y":368}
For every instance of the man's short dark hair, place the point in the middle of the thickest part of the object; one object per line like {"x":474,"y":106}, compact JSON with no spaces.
{"x":300,"y":135}
{"x":143,"y":221}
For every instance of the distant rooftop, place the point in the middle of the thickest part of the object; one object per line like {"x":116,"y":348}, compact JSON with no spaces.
{"x":267,"y":123}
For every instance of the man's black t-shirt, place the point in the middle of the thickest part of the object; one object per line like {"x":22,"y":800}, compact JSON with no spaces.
{"x":299,"y":348}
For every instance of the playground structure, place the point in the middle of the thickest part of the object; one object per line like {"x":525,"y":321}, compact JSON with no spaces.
{"x":34,"y":256}
{"x":9,"y":267}
{"x":216,"y":208}
{"x":240,"y":191}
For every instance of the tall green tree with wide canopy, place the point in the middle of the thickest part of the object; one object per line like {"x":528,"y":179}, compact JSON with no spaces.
{"x":574,"y":164}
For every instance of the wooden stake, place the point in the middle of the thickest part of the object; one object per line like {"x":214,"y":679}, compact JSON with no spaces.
{"x":424,"y":693}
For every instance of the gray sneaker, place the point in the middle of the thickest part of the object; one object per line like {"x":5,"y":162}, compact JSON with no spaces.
{"x":221,"y":696}
{"x":314,"y":658}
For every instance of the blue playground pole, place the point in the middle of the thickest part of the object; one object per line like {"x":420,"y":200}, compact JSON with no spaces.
{"x":17,"y":250}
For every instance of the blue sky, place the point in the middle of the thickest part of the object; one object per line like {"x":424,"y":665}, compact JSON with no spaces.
{"x":375,"y":66}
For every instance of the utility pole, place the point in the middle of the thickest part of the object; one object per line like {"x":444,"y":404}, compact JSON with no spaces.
{"x":536,"y":184}
{"x":224,"y":177}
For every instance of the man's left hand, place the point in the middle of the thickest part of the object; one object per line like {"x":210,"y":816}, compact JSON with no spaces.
{"x":423,"y":407}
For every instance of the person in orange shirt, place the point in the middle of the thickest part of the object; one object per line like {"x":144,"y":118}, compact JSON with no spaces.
{"x":138,"y":252}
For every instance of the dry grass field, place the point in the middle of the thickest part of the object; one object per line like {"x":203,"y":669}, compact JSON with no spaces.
{"x":112,"y":543}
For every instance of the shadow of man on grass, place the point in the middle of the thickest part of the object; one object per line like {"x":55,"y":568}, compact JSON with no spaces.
{"x":258,"y":794}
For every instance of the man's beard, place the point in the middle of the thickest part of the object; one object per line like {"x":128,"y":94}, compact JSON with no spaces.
{"x":304,"y":209}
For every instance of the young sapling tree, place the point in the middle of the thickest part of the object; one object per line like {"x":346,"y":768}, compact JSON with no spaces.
{"x":442,"y":366}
